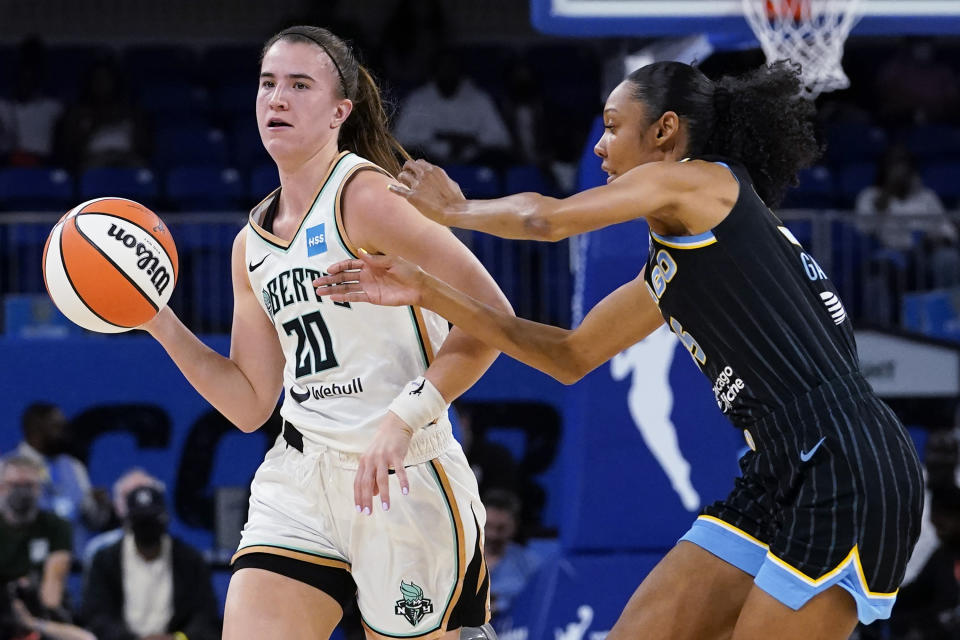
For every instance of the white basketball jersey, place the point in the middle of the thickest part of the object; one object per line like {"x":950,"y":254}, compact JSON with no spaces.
{"x":345,"y":362}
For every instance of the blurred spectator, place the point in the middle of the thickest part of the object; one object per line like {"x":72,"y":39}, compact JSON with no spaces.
{"x":450,"y":120}
{"x":149,"y":585}
{"x":130,"y":480}
{"x":929,"y":607}
{"x":28,"y":119}
{"x":900,"y":192}
{"x":510,"y":563}
{"x":918,"y":243}
{"x":67,"y":490}
{"x":104,"y":128}
{"x":940,"y":465}
{"x":18,"y":623}
{"x":915,"y":87}
{"x":523,"y":107}
{"x":34,"y":543}
{"x":492,"y":463}
{"x":410,"y":43}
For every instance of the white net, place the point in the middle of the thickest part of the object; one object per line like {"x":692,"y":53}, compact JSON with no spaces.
{"x":808,"y":32}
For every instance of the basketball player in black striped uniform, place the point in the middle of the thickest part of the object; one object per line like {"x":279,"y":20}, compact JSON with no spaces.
{"x":818,"y":529}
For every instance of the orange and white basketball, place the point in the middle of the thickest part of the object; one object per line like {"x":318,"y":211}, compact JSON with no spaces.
{"x":110,"y":264}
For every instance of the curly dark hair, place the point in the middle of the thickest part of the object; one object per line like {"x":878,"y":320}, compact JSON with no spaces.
{"x":759,"y":119}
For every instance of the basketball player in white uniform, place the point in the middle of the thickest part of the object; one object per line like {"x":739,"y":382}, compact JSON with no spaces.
{"x":364,"y":388}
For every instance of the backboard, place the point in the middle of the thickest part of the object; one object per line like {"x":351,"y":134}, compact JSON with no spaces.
{"x":723,"y":20}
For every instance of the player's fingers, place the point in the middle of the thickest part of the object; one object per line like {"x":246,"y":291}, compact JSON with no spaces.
{"x":416,"y":167}
{"x":337,"y":278}
{"x":344,"y":265}
{"x":356,"y":296}
{"x":402,"y":477}
{"x":383,"y":484}
{"x":400,"y":189}
{"x":379,"y":261}
{"x":341,"y":288}
{"x":361,"y":490}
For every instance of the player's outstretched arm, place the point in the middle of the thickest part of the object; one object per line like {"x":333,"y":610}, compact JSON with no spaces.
{"x":651,"y":190}
{"x":381,"y":222}
{"x":619,"y":320}
{"x":244,"y":387}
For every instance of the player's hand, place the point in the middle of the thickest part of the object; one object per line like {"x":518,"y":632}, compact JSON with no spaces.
{"x":386,"y":452}
{"x":155,"y":323}
{"x":384,"y":280}
{"x":428,"y":187}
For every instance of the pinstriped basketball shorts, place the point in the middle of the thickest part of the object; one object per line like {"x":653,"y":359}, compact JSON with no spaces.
{"x":831,"y":494}
{"x":417,"y":569}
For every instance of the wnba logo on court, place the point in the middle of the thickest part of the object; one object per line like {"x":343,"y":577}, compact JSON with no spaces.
{"x":413,"y":606}
{"x":316,"y":240}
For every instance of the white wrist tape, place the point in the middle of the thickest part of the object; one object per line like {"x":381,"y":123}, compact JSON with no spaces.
{"x":419,"y":404}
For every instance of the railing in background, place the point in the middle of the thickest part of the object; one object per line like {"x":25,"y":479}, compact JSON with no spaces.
{"x":917,"y":289}
{"x":891,"y":271}
{"x":534,"y":276}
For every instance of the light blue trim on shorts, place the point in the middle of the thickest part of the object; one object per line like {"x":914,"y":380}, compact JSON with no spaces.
{"x":727,"y":543}
{"x":782,"y":581}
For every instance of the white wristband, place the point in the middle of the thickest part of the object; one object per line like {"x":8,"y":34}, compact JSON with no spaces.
{"x":419,"y":404}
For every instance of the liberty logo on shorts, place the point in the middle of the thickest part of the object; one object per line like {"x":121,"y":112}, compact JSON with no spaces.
{"x":316,"y":240}
{"x":413,"y":606}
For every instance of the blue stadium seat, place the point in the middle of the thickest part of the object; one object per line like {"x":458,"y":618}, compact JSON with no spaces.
{"x":236,"y":99}
{"x":181,"y":145}
{"x":527,"y":177}
{"x":263,"y":180}
{"x":945,"y":180}
{"x":933,"y":313}
{"x":173,"y":99}
{"x":932,"y":142}
{"x":854,"y":178}
{"x":205,"y":188}
{"x":476,"y":181}
{"x":852,"y":142}
{"x":34,"y":189}
{"x":136,"y":184}
{"x":246,"y":147}
{"x":815,"y":191}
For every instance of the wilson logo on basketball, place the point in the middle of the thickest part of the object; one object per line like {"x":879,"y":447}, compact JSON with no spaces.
{"x":146,"y":260}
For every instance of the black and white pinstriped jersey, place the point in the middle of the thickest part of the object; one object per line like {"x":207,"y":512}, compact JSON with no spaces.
{"x":752,"y":306}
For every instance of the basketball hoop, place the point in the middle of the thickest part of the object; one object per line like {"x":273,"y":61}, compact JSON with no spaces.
{"x":808,"y":32}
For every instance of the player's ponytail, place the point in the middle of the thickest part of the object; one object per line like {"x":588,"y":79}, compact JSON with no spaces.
{"x":761,"y":119}
{"x":366,"y":131}
{"x":758,"y":119}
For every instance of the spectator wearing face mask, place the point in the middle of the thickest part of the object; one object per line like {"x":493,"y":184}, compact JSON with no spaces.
{"x":34,"y":542}
{"x":149,"y":585}
{"x":66,"y":488}
{"x":131,"y":480}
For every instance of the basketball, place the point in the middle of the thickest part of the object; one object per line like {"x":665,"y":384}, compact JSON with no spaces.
{"x":110,"y":264}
